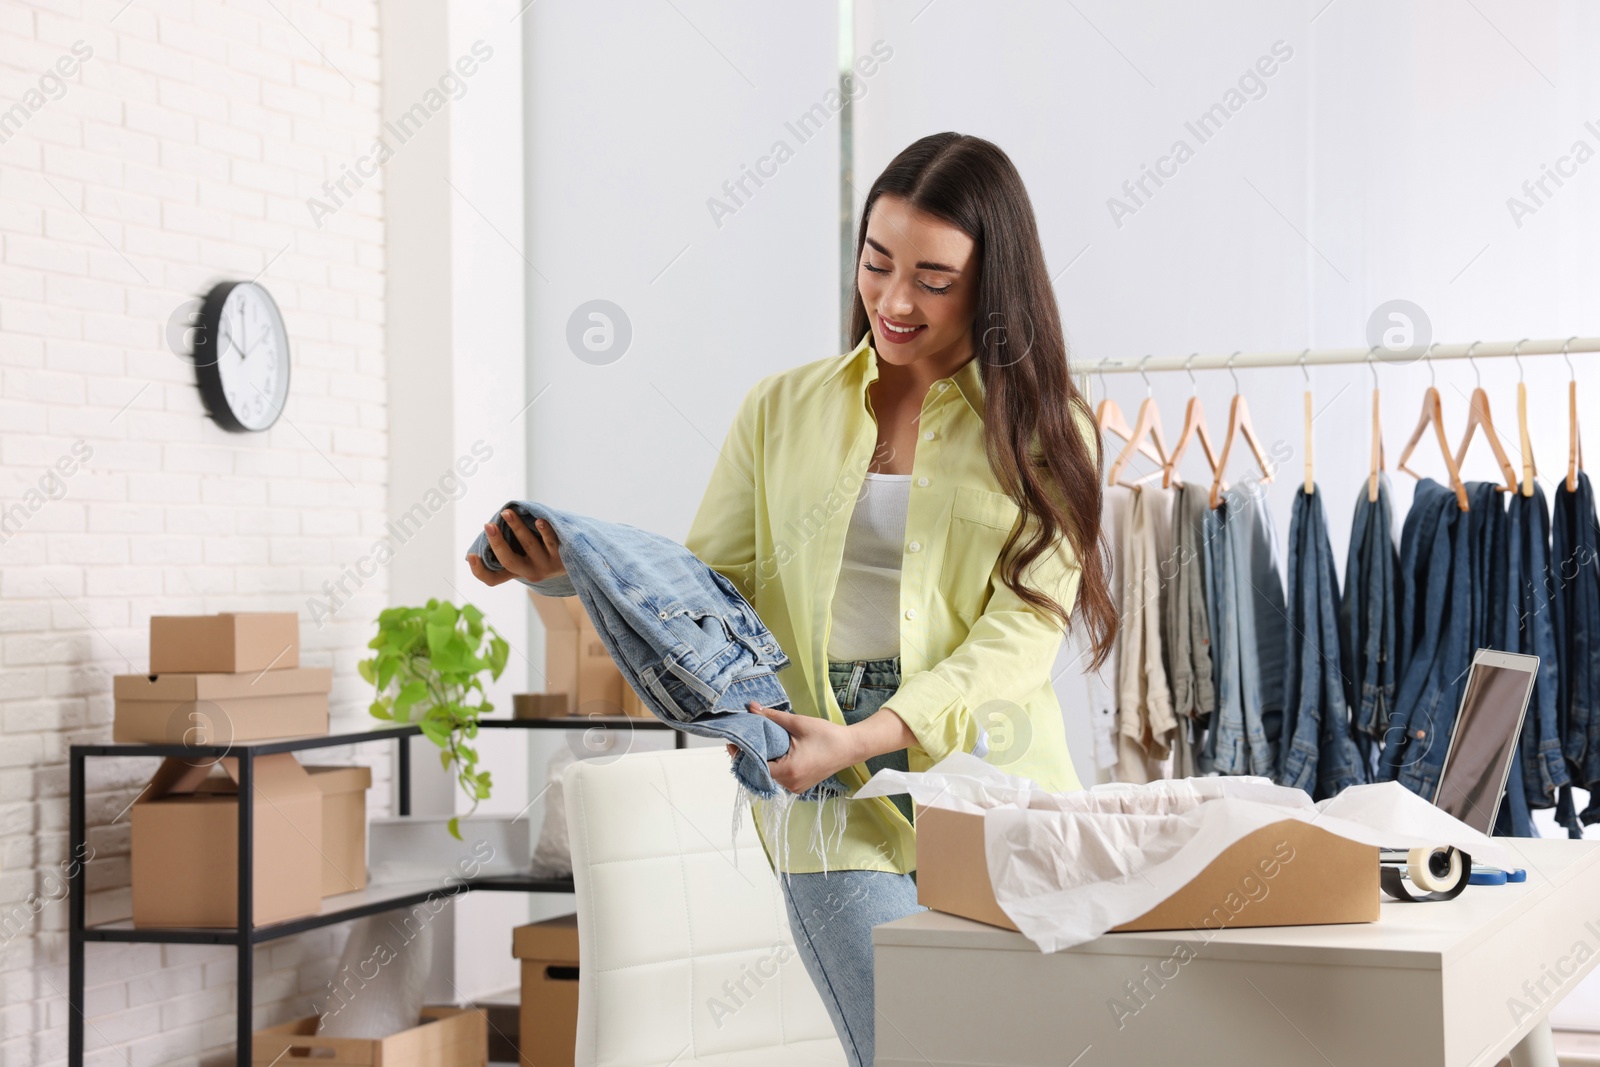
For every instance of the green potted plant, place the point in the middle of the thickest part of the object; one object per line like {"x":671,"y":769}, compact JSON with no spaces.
{"x":429,"y":662}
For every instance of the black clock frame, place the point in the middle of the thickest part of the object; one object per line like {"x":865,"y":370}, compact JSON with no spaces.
{"x":207,"y":372}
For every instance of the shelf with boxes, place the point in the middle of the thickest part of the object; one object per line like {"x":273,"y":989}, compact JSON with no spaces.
{"x":231,"y":820}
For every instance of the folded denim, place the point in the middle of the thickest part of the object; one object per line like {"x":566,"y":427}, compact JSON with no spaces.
{"x":683,"y":636}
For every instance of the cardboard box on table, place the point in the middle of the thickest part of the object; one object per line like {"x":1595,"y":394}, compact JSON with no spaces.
{"x":228,"y":643}
{"x":220,"y":709}
{"x":549,"y":1023}
{"x":445,"y":1037}
{"x":186,"y":843}
{"x":344,"y":826}
{"x":554,"y":705}
{"x":1331,"y":879}
{"x":575,"y":659}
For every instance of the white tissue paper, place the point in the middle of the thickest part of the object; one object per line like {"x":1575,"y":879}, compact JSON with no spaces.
{"x":1067,"y":867}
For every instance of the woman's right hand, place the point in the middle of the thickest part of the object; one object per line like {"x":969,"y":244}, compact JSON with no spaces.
{"x":543,"y":559}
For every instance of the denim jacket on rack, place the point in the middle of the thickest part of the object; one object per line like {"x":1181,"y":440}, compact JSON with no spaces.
{"x":1246,"y":608}
{"x":1435,"y":632}
{"x":1317,"y":753}
{"x":1575,"y":571}
{"x":684,"y":637}
{"x":1491,"y":580}
{"x":1528,"y":628}
{"x":1367,"y":620}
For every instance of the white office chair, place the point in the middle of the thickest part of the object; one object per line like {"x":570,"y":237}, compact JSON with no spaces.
{"x":672,"y":918}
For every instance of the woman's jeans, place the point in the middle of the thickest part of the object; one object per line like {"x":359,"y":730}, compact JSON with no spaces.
{"x":832,"y":914}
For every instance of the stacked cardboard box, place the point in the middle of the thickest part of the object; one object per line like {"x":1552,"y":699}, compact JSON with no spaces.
{"x":581,"y":678}
{"x":221,"y":679}
{"x":186,"y":843}
{"x":226,"y":680}
{"x":344,"y":826}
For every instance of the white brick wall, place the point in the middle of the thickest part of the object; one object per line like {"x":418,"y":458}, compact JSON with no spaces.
{"x":180,"y":154}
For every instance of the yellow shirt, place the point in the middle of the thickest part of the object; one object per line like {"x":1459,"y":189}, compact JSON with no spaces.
{"x":774,"y":519}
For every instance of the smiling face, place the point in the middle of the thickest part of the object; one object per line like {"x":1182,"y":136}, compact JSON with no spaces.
{"x":918,"y":278}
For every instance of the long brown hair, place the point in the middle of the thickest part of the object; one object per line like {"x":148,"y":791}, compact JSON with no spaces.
{"x":1039,"y":455}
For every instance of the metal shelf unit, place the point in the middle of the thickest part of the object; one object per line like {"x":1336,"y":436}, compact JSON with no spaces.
{"x":342,"y":908}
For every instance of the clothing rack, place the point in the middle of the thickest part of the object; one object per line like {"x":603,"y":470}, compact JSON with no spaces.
{"x":1315,"y":357}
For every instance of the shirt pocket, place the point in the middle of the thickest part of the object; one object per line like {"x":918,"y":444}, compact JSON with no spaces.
{"x":980,"y":523}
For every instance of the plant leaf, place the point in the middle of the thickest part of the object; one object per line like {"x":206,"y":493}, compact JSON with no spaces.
{"x":409,"y":695}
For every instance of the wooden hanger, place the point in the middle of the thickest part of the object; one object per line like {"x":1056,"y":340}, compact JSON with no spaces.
{"x":1194,"y":425}
{"x":1311,"y":485}
{"x":1238,"y":425}
{"x":1525,"y":484}
{"x":1574,"y":441}
{"x":1108,"y":416}
{"x":1432,"y":412}
{"x":1377,"y":435}
{"x":1146,"y":427}
{"x":1478,"y":414}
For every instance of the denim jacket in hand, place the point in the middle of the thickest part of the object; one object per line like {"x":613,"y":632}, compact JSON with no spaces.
{"x":684,"y":637}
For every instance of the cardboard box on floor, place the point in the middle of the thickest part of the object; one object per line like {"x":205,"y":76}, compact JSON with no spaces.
{"x":549,"y":1023}
{"x":1331,"y":879}
{"x":186,"y":843}
{"x":344,"y":826}
{"x":228,"y":643}
{"x":220,"y":709}
{"x":445,"y":1037}
{"x":575,"y":659}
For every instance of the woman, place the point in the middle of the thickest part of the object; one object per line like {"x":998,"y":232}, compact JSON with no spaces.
{"x":914,"y":521}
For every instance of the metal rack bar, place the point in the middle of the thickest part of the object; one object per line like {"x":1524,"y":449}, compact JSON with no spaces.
{"x":125,"y":933}
{"x":76,"y":890}
{"x":1315,"y":357}
{"x":244,"y":1016}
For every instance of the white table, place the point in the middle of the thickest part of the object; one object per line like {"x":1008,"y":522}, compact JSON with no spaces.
{"x":1444,"y":984}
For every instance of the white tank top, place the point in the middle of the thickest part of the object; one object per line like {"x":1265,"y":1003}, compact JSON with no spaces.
{"x":866,"y":602}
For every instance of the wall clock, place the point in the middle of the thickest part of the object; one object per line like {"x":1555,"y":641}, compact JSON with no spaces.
{"x":241,"y":357}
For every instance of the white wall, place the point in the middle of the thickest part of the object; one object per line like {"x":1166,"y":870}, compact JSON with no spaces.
{"x":181,"y":154}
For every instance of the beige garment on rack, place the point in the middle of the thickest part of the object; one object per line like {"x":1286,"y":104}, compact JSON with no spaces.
{"x":1145,"y":721}
{"x":1100,"y":687}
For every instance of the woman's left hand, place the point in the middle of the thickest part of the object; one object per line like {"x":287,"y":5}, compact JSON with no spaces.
{"x":817,"y":748}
